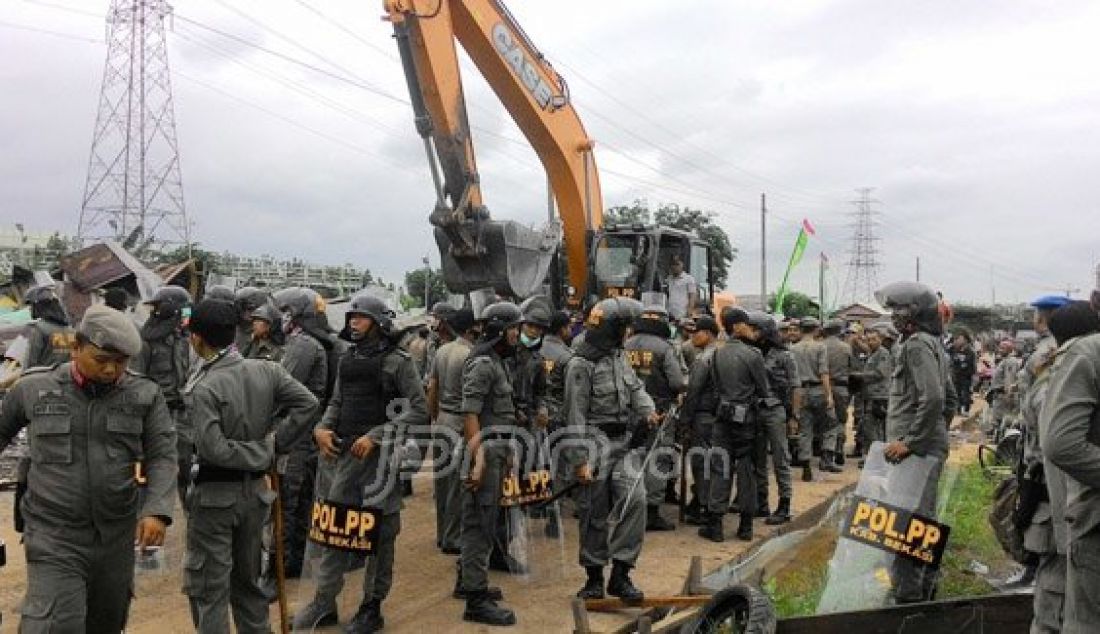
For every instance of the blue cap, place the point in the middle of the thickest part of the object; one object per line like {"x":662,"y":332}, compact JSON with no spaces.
{"x":1051,"y":302}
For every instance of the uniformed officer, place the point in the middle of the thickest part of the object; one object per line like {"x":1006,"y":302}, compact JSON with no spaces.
{"x":875,"y":379}
{"x":818,"y":414}
{"x":839,"y":354}
{"x":444,"y":407}
{"x":914,"y":419}
{"x":1004,"y":385}
{"x":1042,"y":508}
{"x":306,"y":358}
{"x":605,"y":400}
{"x":775,"y":420}
{"x":166,"y":358}
{"x":267,"y":335}
{"x":90,"y":422}
{"x":1069,"y":429}
{"x":704,"y":339}
{"x":248,"y":300}
{"x":234,"y":403}
{"x":658,"y":365}
{"x":556,"y":354}
{"x":49,"y":336}
{"x":489,"y":422}
{"x":722,"y":401}
{"x":439,"y":334}
{"x":857,"y":339}
{"x":378,"y":397}
{"x":220,"y":291}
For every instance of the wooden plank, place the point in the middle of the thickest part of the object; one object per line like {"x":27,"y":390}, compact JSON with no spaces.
{"x":613,"y":605}
{"x":1007,"y":613}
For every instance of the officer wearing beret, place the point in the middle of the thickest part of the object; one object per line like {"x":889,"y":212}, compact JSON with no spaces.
{"x":89,"y":423}
{"x":818,"y":415}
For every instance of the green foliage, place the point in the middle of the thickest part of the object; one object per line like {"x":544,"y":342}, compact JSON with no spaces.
{"x":414,"y":286}
{"x":700,"y":221}
{"x":972,"y":539}
{"x":207,"y":261}
{"x":796,"y":305}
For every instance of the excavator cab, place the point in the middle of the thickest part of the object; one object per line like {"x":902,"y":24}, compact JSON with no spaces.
{"x":626,"y":261}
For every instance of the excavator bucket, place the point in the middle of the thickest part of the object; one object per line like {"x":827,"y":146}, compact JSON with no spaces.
{"x":510,"y":258}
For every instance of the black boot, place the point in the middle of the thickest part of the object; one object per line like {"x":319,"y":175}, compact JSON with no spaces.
{"x":744,"y":529}
{"x":495,"y":593}
{"x":481,"y":608}
{"x":367,"y":620}
{"x":807,"y":472}
{"x":713,"y":529}
{"x":857,"y":450}
{"x":406,"y":488}
{"x":315,"y":615}
{"x":694,"y":514}
{"x":620,"y":585}
{"x":827,"y":463}
{"x":838,"y":458}
{"x":762,"y":506}
{"x":593,"y":588}
{"x":553,"y":524}
{"x":782,"y":513}
{"x":654,"y":521}
{"x":501,"y":561}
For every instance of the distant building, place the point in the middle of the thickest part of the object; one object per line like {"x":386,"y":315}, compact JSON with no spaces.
{"x":863,"y":312}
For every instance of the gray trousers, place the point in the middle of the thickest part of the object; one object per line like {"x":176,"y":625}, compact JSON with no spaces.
{"x":221,"y":567}
{"x":915,"y":581}
{"x":612,"y":509}
{"x":841,"y":400}
{"x":342,"y":480}
{"x":874,"y":422}
{"x":716,"y":456}
{"x":481,"y":517}
{"x":78,"y":580}
{"x":447,"y":485}
{"x":296,"y":489}
{"x":185,"y":451}
{"x":1083,"y":584}
{"x":816,"y":416}
{"x":772,"y":439}
{"x":1050,"y":594}
{"x":662,"y":466}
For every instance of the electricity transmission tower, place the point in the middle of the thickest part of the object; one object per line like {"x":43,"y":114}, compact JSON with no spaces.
{"x":133,"y":193}
{"x":863,"y":262}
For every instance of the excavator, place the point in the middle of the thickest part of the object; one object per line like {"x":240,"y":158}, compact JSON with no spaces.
{"x":478,"y":252}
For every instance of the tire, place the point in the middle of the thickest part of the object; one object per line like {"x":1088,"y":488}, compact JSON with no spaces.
{"x":747,"y":609}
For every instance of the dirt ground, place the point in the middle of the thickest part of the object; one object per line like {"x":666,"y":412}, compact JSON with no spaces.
{"x":420,"y":600}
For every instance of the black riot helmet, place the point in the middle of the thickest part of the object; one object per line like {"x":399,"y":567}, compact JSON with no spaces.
{"x":769,"y":330}
{"x":220,"y":291}
{"x":249,"y":298}
{"x":913,"y":305}
{"x":169,"y":301}
{"x":496,"y":319}
{"x":536,"y":310}
{"x":371,"y":306}
{"x":298,"y":303}
{"x":608,"y":320}
{"x":45,"y":304}
{"x":267,"y":313}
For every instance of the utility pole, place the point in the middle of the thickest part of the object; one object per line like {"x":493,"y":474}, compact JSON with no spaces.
{"x":133,"y":189}
{"x":763,"y":253}
{"x":821,"y":287}
{"x":918,"y":268}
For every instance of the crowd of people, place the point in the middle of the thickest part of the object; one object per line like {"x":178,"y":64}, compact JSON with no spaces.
{"x":247,"y":397}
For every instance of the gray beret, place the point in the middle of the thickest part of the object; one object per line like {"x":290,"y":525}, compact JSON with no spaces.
{"x":111,"y":330}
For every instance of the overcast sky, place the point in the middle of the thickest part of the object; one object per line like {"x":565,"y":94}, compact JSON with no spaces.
{"x":977,"y":123}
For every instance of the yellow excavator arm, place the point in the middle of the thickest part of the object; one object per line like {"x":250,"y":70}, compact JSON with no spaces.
{"x":476,"y":251}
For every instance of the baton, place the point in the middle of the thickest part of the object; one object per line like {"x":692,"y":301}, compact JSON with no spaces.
{"x":566,"y":490}
{"x":280,"y":552}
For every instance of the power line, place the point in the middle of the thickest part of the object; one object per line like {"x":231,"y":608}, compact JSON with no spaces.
{"x":32,"y":29}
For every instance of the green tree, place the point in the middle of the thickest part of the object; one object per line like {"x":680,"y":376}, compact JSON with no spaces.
{"x":699,"y":221}
{"x":796,"y":305}
{"x":414,"y":285}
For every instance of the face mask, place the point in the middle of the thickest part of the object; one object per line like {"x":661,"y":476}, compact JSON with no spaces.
{"x":527,"y":341}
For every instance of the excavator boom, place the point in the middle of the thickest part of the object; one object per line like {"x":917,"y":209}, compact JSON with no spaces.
{"x":477,"y":251}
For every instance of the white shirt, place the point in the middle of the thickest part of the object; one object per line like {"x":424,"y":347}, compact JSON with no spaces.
{"x":680,"y":288}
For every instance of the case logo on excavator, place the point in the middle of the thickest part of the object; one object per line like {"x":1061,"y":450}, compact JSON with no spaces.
{"x":524,"y":68}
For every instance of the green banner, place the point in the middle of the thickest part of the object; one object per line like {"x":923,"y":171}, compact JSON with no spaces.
{"x":796,"y":257}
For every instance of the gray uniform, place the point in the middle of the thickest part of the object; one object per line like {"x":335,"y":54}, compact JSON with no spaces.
{"x":603,"y":396}
{"x":1005,"y":378}
{"x":1071,"y":441}
{"x":1040,"y":535}
{"x":234,"y":406}
{"x":447,"y":372}
{"x":555,"y":357}
{"x":306,"y":360}
{"x":373,"y":383}
{"x":733,"y":374}
{"x":772,"y":426}
{"x":81,"y":507}
{"x":48,"y":343}
{"x":657,"y":364}
{"x":265,"y":349}
{"x":877,"y":372}
{"x":167,"y":360}
{"x":915,"y":417}
{"x":487,"y":393}
{"x":841,"y":363}
{"x":816,"y":417}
